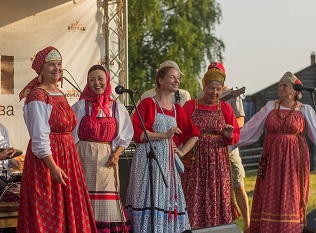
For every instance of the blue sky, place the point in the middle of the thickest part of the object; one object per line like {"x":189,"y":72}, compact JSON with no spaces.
{"x":264,"y":39}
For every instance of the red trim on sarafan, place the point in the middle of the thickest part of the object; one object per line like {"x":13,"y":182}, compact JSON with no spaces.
{"x":96,"y":196}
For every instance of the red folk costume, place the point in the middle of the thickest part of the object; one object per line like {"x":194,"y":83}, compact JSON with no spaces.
{"x":207,"y":180}
{"x":281,"y":193}
{"x":148,"y":116}
{"x":45,"y":205}
{"x":104,"y":125}
{"x":279,"y":205}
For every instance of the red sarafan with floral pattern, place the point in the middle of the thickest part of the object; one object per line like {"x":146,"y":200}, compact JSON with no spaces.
{"x":281,"y":196}
{"x":45,"y":205}
{"x":206,"y":180}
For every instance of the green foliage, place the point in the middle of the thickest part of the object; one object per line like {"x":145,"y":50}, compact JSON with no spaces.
{"x":178,"y":30}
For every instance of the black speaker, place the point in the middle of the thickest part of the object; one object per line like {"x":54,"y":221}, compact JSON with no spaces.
{"x":227,"y":228}
{"x":124,"y":171}
{"x":311,"y":222}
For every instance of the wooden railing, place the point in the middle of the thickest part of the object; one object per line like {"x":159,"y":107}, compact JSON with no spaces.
{"x":250,"y":158}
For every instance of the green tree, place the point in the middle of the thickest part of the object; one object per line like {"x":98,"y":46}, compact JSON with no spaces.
{"x":178,"y":30}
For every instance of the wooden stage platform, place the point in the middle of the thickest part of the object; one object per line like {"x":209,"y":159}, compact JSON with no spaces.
{"x":8,"y":214}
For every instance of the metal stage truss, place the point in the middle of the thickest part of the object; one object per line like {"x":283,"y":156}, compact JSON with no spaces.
{"x":116,"y":43}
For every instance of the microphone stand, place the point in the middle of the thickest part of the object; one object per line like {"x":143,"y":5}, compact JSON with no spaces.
{"x":72,"y":85}
{"x":313,"y":99}
{"x":77,"y":88}
{"x":150,"y":155}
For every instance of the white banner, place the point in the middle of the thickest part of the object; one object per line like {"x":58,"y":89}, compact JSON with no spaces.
{"x":73,"y":27}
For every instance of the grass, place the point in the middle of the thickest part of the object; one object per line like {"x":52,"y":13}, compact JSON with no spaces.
{"x":250,"y":181}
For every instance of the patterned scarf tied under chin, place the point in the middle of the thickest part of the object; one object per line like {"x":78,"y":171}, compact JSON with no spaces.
{"x":48,"y":54}
{"x":98,"y":101}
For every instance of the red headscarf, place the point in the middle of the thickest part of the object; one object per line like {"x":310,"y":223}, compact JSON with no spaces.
{"x":48,"y":54}
{"x":98,"y":101}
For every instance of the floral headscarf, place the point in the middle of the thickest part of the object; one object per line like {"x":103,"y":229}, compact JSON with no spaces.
{"x":98,"y":101}
{"x":213,"y":74}
{"x":48,"y":54}
{"x":291,"y":78}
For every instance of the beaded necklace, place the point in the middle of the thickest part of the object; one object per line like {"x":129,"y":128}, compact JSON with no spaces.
{"x":287,"y":115}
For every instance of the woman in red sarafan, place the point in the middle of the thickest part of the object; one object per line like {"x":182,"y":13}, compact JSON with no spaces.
{"x":105,"y":130}
{"x":281,"y":191}
{"x":54,"y":196}
{"x":207,"y":177}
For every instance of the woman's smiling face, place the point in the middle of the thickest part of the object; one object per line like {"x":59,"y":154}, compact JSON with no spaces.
{"x":97,"y":81}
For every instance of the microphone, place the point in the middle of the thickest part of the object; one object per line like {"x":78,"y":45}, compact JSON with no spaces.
{"x":299,"y":87}
{"x":121,"y":90}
